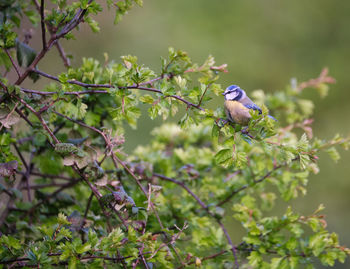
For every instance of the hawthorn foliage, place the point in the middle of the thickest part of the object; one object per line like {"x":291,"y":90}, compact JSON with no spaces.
{"x":71,"y":197}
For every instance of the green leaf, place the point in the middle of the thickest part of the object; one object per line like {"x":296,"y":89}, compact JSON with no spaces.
{"x":215,"y":132}
{"x":254,"y":259}
{"x":317,"y":243}
{"x":139,"y":2}
{"x":62,"y":219}
{"x":303,"y":143}
{"x":92,"y":238}
{"x":304,"y":161}
{"x":8,"y":118}
{"x":275,"y":262}
{"x":148,"y":99}
{"x":83,"y":248}
{"x":223,"y":155}
{"x":72,"y":263}
{"x":333,"y":153}
{"x":25,"y":54}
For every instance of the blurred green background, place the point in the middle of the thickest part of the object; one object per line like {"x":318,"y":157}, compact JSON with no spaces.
{"x":265,"y":44}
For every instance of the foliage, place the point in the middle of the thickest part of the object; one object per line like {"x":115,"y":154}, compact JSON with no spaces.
{"x":70,"y":196}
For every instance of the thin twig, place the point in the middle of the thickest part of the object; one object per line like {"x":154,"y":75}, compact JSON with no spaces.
{"x":63,"y":55}
{"x":69,"y":27}
{"x":205,"y":91}
{"x":52,"y":195}
{"x":91,"y":85}
{"x":42,"y":186}
{"x":138,"y":86}
{"x":206,"y":208}
{"x":98,"y":196}
{"x":52,"y":176}
{"x":232,"y":194}
{"x":65,"y":93}
{"x":213,"y":256}
{"x":126,"y":168}
{"x":233,"y":247}
{"x":203,"y":205}
{"x":42,"y":20}
{"x":27,"y":175}
{"x":13,"y":63}
{"x":19,"y":112}
{"x":40,"y":119}
{"x":60,"y":49}
{"x":9,"y":115}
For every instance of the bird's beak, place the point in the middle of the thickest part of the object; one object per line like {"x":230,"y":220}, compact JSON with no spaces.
{"x":223,"y":93}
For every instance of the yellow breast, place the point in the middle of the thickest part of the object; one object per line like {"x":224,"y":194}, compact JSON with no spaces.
{"x":237,"y":112}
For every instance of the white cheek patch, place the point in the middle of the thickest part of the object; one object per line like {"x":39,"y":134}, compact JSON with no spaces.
{"x":231,"y":95}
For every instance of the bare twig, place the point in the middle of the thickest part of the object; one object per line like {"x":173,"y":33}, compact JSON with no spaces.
{"x":13,"y":63}
{"x":213,"y":256}
{"x":42,"y":21}
{"x":9,"y":115}
{"x":52,"y":195}
{"x":52,"y":176}
{"x":54,"y":37}
{"x":126,"y":168}
{"x":202,"y":96}
{"x":19,"y":112}
{"x":322,"y":78}
{"x":98,"y":196}
{"x":91,"y":85}
{"x":40,"y":119}
{"x":202,"y":204}
{"x":63,"y":55}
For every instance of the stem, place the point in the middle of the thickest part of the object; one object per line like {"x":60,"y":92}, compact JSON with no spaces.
{"x":42,"y":20}
{"x":205,"y":91}
{"x":13,"y":63}
{"x":54,"y":38}
{"x":63,"y":55}
{"x":232,"y":194}
{"x":91,"y":85}
{"x":40,"y":119}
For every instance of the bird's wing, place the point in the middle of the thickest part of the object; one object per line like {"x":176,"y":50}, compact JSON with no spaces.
{"x":248,"y":103}
{"x":254,"y":107}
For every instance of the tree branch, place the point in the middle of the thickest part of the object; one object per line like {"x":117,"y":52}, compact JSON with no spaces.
{"x":13,"y":63}
{"x":50,"y":196}
{"x":90,"y":85}
{"x":206,"y":208}
{"x":42,"y":21}
{"x":202,"y":96}
{"x":213,"y":256}
{"x":202,"y":204}
{"x":232,"y":194}
{"x":63,"y":55}
{"x":70,"y":26}
{"x":40,"y":119}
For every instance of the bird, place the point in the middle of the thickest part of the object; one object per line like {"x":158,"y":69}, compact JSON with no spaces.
{"x":237,"y":105}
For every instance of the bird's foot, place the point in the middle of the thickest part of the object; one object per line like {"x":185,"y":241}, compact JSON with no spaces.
{"x":245,"y":131}
{"x":221,"y":122}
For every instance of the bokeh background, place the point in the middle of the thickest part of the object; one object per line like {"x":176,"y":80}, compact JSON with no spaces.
{"x":265,"y":44}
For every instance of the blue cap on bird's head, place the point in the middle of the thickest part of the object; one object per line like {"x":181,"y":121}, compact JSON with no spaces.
{"x":231,"y":88}
{"x":233,"y":92}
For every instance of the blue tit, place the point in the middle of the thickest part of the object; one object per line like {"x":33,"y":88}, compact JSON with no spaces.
{"x":238,"y":104}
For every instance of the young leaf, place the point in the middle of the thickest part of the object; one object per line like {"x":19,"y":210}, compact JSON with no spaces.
{"x":25,"y":54}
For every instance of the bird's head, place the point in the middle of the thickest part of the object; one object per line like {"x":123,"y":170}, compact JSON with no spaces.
{"x":234,"y":93}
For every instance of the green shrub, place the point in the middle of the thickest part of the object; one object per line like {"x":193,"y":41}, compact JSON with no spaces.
{"x":70,"y":196}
